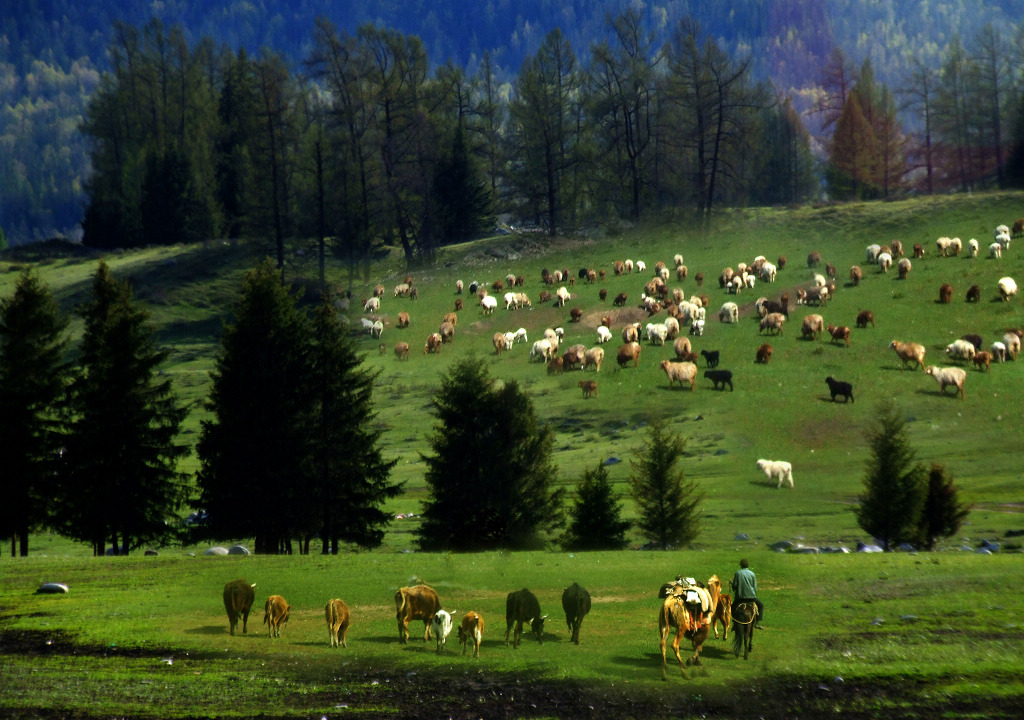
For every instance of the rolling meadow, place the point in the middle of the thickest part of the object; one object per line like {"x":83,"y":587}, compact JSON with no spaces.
{"x":904,"y":634}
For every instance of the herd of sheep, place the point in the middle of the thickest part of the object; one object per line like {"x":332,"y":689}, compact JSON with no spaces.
{"x":675,"y":317}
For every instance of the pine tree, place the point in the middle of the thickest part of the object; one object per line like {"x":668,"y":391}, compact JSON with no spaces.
{"x":596,"y":522}
{"x":668,"y":505}
{"x":254,"y":450}
{"x":490,"y":476}
{"x":943,"y":514}
{"x":462,"y":200}
{"x":350,"y":475}
{"x":32,"y":381}
{"x":119,"y":479}
{"x":894,"y":484}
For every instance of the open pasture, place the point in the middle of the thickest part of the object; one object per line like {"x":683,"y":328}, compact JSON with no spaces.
{"x":148,"y":637}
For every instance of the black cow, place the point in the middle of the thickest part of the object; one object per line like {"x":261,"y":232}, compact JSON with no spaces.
{"x":576,"y":603}
{"x":522,"y":606}
{"x":720,"y":378}
{"x":238,"y":599}
{"x":838,"y":387}
{"x":711,"y":356}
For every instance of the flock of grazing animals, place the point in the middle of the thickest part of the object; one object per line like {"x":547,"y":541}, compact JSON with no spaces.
{"x":685,"y":317}
{"x":691,"y":609}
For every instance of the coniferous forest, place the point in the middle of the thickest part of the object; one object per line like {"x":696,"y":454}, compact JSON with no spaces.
{"x":375,"y":124}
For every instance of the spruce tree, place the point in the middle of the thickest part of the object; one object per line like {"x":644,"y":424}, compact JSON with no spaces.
{"x":254,"y":449}
{"x":32,"y":382}
{"x":894,"y":483}
{"x":491,"y":475}
{"x":350,"y":475}
{"x":596,"y":518}
{"x":668,"y":505}
{"x":943,"y":514}
{"x":119,"y":479}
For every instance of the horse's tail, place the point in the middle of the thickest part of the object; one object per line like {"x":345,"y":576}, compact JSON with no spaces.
{"x":737,"y":638}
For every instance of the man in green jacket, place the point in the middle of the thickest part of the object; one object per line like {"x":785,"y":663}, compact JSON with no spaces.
{"x":744,"y":589}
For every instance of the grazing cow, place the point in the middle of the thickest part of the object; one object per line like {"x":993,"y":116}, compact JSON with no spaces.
{"x":576,"y":604}
{"x":720,"y":378}
{"x":838,"y":387}
{"x":472,"y":628}
{"x":275,"y":613}
{"x":238,"y":599}
{"x":441,"y":625}
{"x":522,"y":606}
{"x":415,"y":603}
{"x":338,"y":620}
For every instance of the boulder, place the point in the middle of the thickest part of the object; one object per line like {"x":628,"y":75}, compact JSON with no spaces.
{"x":216,"y":550}
{"x":52,"y":588}
{"x":239,"y":550}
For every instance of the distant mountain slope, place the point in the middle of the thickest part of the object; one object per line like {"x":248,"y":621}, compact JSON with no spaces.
{"x":52,"y":51}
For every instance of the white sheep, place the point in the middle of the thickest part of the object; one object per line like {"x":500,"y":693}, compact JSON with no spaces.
{"x":960,"y":350}
{"x":1012,"y":342}
{"x":749,"y":281}
{"x":677,"y":259}
{"x":884,"y":261}
{"x":819,"y":280}
{"x":697,"y":327}
{"x":510,"y":300}
{"x":521,"y":335}
{"x":673,"y":327}
{"x":377,"y":330}
{"x":768,"y":272}
{"x":1003,"y":240}
{"x":458,"y":287}
{"x":1007,"y":288}
{"x":998,"y":351}
{"x":542,"y":350}
{"x":367,"y":324}
{"x":973,"y":247}
{"x":942,"y":245}
{"x":871,"y":253}
{"x":641,"y":266}
{"x":656,"y":333}
{"x":1002,"y":230}
{"x":955,"y":246}
{"x":562,"y":294}
{"x":777,"y":469}
{"x":995,"y":250}
{"x":947,"y":376}
{"x":489,"y":302}
{"x":372,"y":305}
{"x":510,"y":338}
{"x":603,"y":334}
{"x":729,"y":313}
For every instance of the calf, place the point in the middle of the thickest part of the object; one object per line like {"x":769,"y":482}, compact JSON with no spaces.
{"x":275,"y":613}
{"x":415,"y":603}
{"x":711,"y":356}
{"x":238,"y":599}
{"x":338,"y":619}
{"x":441,"y":625}
{"x":838,"y":387}
{"x":522,"y":606}
{"x":720,"y":378}
{"x":472,"y":628}
{"x":576,"y":604}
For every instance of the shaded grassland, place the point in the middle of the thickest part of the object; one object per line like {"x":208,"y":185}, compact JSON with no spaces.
{"x":910,"y":635}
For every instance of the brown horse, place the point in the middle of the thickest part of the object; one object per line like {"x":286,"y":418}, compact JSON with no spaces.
{"x":688,"y":619}
{"x":743,"y":618}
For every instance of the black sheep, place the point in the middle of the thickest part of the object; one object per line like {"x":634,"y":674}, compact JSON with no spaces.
{"x":711,"y":356}
{"x":720,"y":378}
{"x":973,"y":339}
{"x":838,"y":387}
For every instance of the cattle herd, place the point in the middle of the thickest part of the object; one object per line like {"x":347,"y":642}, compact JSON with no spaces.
{"x":693,"y":609}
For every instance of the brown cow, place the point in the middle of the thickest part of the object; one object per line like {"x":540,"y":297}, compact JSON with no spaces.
{"x":275,"y":612}
{"x":472,"y":628}
{"x":415,"y":603}
{"x":238,"y":599}
{"x":338,"y":620}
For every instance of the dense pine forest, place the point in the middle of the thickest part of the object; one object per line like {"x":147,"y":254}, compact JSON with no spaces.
{"x":418,"y":125}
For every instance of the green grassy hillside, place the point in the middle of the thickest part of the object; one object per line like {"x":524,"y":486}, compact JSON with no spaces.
{"x":781,"y":410}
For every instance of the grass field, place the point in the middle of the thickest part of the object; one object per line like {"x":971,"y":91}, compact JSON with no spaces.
{"x":958,"y":645}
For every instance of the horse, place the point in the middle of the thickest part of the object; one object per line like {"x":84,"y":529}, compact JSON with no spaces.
{"x":689,"y":620}
{"x":743,"y":617}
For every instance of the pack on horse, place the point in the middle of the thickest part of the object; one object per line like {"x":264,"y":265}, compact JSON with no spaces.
{"x":687,"y":608}
{"x":744,"y":615}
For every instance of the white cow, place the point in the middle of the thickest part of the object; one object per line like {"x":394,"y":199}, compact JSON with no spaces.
{"x":441,"y":626}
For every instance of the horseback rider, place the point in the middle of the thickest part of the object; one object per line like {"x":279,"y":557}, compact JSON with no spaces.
{"x":744,"y":589}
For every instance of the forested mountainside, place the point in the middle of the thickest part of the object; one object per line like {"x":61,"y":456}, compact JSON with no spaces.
{"x":52,"y":55}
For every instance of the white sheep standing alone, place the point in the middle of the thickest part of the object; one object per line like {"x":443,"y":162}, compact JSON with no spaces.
{"x":777,"y":469}
{"x":946,"y":376}
{"x":603,"y":334}
{"x":995,"y":251}
{"x":1007,"y":288}
{"x":972,"y":247}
